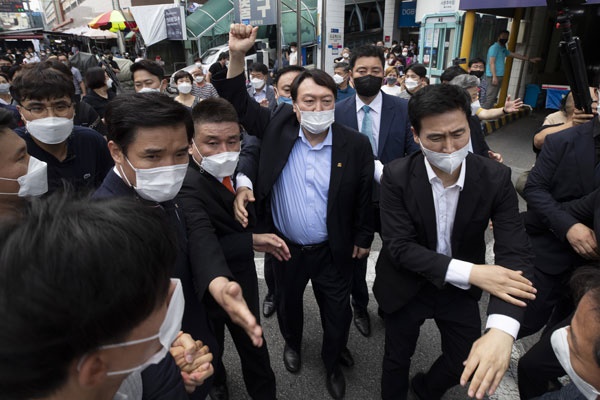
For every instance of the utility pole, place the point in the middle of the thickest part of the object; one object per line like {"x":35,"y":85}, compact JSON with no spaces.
{"x":299,"y":31}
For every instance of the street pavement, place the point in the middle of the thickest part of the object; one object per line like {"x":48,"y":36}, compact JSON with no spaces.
{"x":513,"y":141}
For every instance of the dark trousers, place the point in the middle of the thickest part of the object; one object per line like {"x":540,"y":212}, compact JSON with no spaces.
{"x":256,"y":366}
{"x":269,"y":274}
{"x":551,"y":305}
{"x":360,"y":291}
{"x":456,"y":315}
{"x":332,"y":292}
{"x":539,"y":367}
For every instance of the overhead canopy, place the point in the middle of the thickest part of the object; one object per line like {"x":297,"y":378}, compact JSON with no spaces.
{"x":487,"y":4}
{"x":215,"y":16}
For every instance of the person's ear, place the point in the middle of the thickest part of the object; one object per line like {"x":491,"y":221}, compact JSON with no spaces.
{"x":415,"y":135}
{"x":116,"y":152}
{"x":91,"y":370}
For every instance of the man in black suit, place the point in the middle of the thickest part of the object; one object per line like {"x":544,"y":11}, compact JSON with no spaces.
{"x":384,"y":120}
{"x":314,"y":187}
{"x":151,"y":160}
{"x":435,"y":209}
{"x":208,"y":188}
{"x":567,"y":168}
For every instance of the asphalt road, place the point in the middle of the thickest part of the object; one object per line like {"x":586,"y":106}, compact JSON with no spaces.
{"x":513,"y":141}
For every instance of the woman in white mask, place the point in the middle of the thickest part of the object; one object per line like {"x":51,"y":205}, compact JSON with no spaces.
{"x":391,"y":81}
{"x":98,"y":94}
{"x":5,"y":97}
{"x":184,"y":80}
{"x":415,"y":77}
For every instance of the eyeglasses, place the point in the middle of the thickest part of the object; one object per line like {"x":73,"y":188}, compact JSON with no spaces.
{"x":59,"y":109}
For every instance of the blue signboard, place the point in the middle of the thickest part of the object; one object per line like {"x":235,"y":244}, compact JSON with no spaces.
{"x":408,"y":9}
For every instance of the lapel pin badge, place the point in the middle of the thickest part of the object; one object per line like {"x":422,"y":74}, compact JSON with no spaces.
{"x":339,"y":165}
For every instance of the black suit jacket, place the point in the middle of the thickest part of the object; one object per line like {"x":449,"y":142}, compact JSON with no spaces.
{"x":564,"y":171}
{"x":349,"y":213}
{"x":202,"y":193}
{"x":409,"y":260}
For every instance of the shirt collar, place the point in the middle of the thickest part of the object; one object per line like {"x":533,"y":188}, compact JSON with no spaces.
{"x":375,"y":104}
{"x":460,"y":182}
{"x":327,"y":142}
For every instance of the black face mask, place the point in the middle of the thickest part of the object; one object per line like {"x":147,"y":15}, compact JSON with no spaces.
{"x":368,"y":85}
{"x":503,"y":41}
{"x":478,"y":74}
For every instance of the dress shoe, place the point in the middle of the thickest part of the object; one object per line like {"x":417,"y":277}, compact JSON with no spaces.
{"x":269,"y":305}
{"x":336,"y":383}
{"x":219,"y":392}
{"x":362,"y":321}
{"x":346,"y":358}
{"x":418,"y":385}
{"x":291,"y":359}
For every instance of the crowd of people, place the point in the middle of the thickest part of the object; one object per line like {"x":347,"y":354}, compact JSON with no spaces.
{"x":129,"y":224}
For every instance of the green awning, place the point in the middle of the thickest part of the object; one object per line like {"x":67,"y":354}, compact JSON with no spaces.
{"x":215,"y":16}
{"x":212,"y":19}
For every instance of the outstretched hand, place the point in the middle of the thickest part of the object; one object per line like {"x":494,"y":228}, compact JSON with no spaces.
{"x":241,"y":37}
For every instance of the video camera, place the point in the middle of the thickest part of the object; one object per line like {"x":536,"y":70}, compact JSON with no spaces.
{"x":571,"y":53}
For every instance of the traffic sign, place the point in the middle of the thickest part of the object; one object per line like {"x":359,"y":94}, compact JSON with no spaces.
{"x":12,"y":6}
{"x":256,"y":12}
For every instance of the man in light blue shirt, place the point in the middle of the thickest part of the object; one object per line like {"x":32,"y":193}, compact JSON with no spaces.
{"x":496,"y":61}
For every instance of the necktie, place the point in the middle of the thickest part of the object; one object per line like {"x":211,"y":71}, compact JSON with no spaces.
{"x":367,"y":127}
{"x":228,"y":185}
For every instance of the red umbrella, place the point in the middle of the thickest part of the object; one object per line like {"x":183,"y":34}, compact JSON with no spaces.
{"x":113,"y":21}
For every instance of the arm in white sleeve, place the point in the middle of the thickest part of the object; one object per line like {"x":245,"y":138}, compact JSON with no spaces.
{"x":458,"y":274}
{"x":378,"y":171}
{"x":242,"y":180}
{"x":504,"y":323}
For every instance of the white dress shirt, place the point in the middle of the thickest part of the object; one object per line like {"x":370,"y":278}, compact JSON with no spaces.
{"x":445,"y":201}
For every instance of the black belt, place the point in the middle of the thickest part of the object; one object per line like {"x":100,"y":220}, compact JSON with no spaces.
{"x":301,"y":247}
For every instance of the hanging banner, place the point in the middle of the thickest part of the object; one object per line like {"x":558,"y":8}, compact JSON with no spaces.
{"x":174,"y":18}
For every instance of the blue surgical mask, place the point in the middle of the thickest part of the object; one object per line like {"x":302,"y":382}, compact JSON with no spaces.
{"x":284,"y":100}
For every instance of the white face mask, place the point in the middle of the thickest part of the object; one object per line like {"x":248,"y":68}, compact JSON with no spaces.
{"x":316,"y":122}
{"x":50,"y":130}
{"x":157,"y":184}
{"x":4,"y":88}
{"x":35,"y":182}
{"x":257,"y":83}
{"x":199,"y":78}
{"x":109,"y":83}
{"x":404,"y":54}
{"x":411,"y":83}
{"x":345,"y":55}
{"x":560,"y":345}
{"x":475,"y":106}
{"x":219,"y":165}
{"x":444,"y":161}
{"x":184,"y":87}
{"x":149,"y":90}
{"x":169,"y":329}
{"x":338,"y":79}
{"x":198,"y":65}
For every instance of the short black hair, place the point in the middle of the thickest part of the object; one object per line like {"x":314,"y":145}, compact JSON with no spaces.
{"x":123,"y":116}
{"x":344,"y":65}
{"x":7,"y":120}
{"x":450,"y":73}
{"x":259,"y":67}
{"x":282,"y":71}
{"x":214,"y":110}
{"x":475,"y":61}
{"x":418,"y":69}
{"x":94,"y":78}
{"x":223,"y":56}
{"x":293,"y":44}
{"x":320,"y":77}
{"x":41,"y":81}
{"x":6,"y":58}
{"x":367,"y":51}
{"x":75,"y":275}
{"x":182,"y":74}
{"x":586,"y":280}
{"x":435,"y":100}
{"x":147,"y":65}
{"x":54,"y":63}
{"x":503,"y":31}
